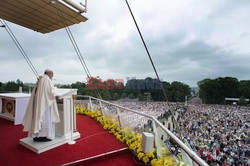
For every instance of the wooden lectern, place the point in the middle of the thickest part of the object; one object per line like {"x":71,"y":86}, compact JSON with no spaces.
{"x":65,"y":130}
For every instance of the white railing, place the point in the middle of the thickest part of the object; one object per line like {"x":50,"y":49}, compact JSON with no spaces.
{"x":193,"y":156}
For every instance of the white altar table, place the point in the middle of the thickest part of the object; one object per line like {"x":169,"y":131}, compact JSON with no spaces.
{"x":13,"y":106}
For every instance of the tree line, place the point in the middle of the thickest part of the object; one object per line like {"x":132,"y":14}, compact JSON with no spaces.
{"x":214,"y":91}
{"x":13,"y":86}
{"x":211,"y":91}
{"x":141,"y":89}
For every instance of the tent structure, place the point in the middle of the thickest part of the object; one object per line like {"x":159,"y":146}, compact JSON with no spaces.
{"x":43,"y":16}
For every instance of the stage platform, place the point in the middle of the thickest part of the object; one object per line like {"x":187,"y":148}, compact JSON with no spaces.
{"x":93,"y":142}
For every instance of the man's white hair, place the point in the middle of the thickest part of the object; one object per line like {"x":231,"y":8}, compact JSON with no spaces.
{"x":47,"y":71}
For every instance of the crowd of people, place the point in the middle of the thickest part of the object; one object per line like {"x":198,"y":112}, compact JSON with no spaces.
{"x":218,"y":133}
{"x":132,"y":120}
{"x":136,"y":121}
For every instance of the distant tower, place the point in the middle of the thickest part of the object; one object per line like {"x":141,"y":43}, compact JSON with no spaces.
{"x":147,"y":97}
{"x":186,"y":100}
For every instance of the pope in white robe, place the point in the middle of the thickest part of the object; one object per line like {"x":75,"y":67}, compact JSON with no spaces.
{"x":42,"y":112}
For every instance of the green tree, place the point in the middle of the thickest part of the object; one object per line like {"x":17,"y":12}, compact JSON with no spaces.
{"x":80,"y":86}
{"x":214,"y":91}
{"x":203,"y":89}
{"x":105,"y":94}
{"x":1,"y":87}
{"x":115,"y":96}
{"x":179,"y":91}
{"x":229,"y":87}
{"x":124,"y":95}
{"x":242,"y":101}
{"x":244,"y":88}
{"x":131,"y":96}
{"x":11,"y":86}
{"x":115,"y":88}
{"x":210,"y":91}
{"x":140,"y":97}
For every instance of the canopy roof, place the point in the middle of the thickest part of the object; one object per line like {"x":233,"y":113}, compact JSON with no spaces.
{"x":39,"y":15}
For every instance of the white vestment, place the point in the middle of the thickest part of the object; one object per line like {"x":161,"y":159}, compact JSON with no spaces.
{"x":42,"y":112}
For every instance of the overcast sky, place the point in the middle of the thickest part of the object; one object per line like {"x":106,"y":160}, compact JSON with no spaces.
{"x":188,"y":41}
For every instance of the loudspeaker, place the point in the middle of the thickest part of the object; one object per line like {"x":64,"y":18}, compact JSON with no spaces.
{"x":147,"y":142}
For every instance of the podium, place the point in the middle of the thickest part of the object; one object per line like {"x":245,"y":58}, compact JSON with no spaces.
{"x":67,"y":113}
{"x":65,"y":130}
{"x":13,"y":106}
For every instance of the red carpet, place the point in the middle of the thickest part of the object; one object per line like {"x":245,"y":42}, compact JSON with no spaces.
{"x":94,"y":140}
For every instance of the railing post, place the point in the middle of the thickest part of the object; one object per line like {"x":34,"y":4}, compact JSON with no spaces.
{"x":90,"y":102}
{"x":100,"y":104}
{"x":156,"y":139}
{"x":118,"y":116}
